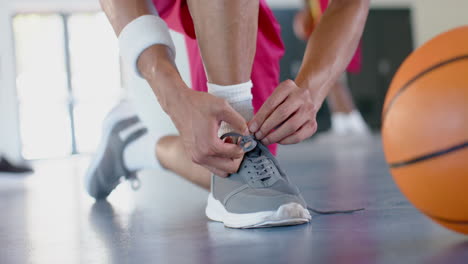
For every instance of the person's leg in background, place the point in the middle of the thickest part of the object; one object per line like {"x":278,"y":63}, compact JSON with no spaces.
{"x":345,"y":117}
{"x":339,"y":99}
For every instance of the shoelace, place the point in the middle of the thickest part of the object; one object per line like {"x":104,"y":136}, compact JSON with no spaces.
{"x":263,"y":169}
{"x":247,"y":143}
{"x":264,"y":172}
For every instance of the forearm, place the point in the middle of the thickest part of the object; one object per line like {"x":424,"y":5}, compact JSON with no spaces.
{"x":155,"y":63}
{"x":331,"y":46}
{"x":227,"y":35}
{"x":122,"y":12}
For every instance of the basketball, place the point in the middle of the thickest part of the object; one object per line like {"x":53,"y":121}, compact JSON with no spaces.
{"x":425,"y":129}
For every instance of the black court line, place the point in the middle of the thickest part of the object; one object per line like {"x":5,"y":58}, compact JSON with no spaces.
{"x":399,"y":164}
{"x":419,"y":75}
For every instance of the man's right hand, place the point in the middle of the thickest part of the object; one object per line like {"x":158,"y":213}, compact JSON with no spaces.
{"x":198,"y":117}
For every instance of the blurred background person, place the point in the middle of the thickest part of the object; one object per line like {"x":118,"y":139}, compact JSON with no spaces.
{"x":345,"y":117}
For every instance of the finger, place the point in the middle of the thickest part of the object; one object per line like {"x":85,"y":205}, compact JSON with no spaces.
{"x":280,"y":115}
{"x":307,"y":130}
{"x":276,"y":98}
{"x":217,"y":172}
{"x":233,"y":118}
{"x":227,"y":150}
{"x":288,"y":128}
{"x":223,"y":164}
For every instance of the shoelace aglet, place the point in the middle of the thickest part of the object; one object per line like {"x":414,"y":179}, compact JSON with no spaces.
{"x":247,"y":143}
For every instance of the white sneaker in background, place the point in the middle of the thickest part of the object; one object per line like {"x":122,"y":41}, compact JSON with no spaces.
{"x":349,"y":124}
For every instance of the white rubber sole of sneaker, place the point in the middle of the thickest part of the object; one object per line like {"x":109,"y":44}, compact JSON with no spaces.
{"x":287,"y":214}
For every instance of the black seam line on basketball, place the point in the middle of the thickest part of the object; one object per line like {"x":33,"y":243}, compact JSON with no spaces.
{"x":419,"y":75}
{"x":428,"y":156}
{"x":450,"y":221}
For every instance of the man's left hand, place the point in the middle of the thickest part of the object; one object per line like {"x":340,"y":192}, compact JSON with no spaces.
{"x":286,"y":117}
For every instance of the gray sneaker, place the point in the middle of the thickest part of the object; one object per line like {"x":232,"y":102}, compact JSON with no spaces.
{"x":107,"y":166}
{"x":258,"y":195}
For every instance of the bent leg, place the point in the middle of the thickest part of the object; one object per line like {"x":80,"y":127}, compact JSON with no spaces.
{"x":171,"y":153}
{"x":339,"y":99}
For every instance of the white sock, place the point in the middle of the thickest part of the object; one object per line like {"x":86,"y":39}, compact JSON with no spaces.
{"x":357,"y":124}
{"x":350,"y":123}
{"x":338,"y":123}
{"x":239,"y":96}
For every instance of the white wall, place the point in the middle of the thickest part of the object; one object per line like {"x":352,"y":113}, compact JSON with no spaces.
{"x":10,"y":142}
{"x":430,"y":17}
{"x":433,"y":17}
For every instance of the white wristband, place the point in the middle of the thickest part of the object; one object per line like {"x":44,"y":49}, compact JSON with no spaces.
{"x":140,"y":34}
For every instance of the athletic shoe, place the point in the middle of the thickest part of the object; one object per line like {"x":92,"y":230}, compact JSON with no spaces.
{"x":349,"y":124}
{"x":258,"y":195}
{"x":107,"y":166}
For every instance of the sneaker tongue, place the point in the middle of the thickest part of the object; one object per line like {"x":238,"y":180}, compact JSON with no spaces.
{"x":254,"y":153}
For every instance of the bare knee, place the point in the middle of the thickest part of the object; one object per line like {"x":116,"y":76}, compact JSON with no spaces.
{"x":165,"y":149}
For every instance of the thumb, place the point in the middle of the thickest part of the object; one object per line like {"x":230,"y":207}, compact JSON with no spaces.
{"x":233,"y":118}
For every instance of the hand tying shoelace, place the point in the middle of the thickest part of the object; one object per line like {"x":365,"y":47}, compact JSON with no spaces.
{"x":263,"y":167}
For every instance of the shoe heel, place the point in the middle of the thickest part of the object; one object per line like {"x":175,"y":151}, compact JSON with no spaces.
{"x":214,"y":209}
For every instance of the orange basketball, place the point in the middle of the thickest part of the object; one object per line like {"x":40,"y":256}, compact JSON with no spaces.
{"x":425,"y":129}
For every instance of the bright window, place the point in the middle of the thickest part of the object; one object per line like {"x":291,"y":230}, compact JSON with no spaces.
{"x":68,"y":78}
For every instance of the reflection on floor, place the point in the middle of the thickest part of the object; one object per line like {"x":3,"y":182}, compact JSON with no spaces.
{"x":47,"y":217}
